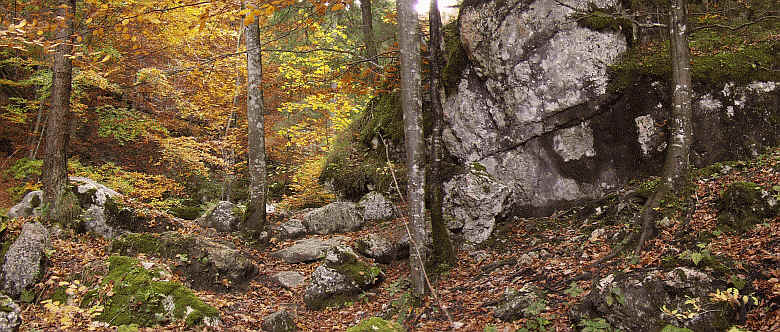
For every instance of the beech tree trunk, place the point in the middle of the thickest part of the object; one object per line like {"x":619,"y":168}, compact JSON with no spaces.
{"x":411,"y":103}
{"x":368,"y":30}
{"x":443,"y":253}
{"x":255,"y":214}
{"x":675,"y":172}
{"x":58,"y":200}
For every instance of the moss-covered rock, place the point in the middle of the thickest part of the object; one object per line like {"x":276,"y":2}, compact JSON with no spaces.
{"x":341,"y":278}
{"x":357,"y":162}
{"x":744,"y":204}
{"x":457,"y":60}
{"x":376,"y":324}
{"x":132,"y":294}
{"x":187,"y":212}
{"x":205,"y":263}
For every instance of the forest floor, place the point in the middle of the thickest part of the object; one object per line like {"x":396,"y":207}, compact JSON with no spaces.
{"x":565,"y":243}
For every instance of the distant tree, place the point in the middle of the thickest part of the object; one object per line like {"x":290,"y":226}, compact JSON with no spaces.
{"x":368,"y":30}
{"x":411,"y":103}
{"x":59,"y":202}
{"x":255,"y":214}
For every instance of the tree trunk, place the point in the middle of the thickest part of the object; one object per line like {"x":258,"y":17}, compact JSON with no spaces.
{"x":368,"y":30}
{"x":58,"y":200}
{"x":675,"y":172}
{"x":443,"y":252}
{"x":255,"y":214}
{"x":411,"y":104}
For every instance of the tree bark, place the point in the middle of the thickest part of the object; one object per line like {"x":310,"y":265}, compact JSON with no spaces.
{"x":675,"y":172}
{"x":411,"y":103}
{"x":56,"y":196}
{"x":255,"y":214}
{"x":443,"y":253}
{"x":368,"y":30}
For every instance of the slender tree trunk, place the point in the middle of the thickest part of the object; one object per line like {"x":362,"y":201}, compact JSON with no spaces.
{"x":442,"y":246}
{"x":57,"y":204}
{"x":368,"y":30}
{"x":411,"y":104}
{"x":675,"y":173}
{"x":255,"y":214}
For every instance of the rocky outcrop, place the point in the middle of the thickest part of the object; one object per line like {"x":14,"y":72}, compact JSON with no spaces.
{"x":744,"y":204}
{"x":533,"y":108}
{"x":25,"y":260}
{"x":207,"y":264}
{"x":307,"y":250}
{"x":375,"y":206}
{"x":280,"y":321}
{"x":341,"y":277}
{"x":635,"y":301}
{"x":10,"y":317}
{"x":336,"y":217}
{"x":384,"y":249}
{"x":222,"y":217}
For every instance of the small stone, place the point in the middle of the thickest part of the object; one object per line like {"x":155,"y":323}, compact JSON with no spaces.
{"x":288,"y":279}
{"x":280,"y":321}
{"x":597,"y":234}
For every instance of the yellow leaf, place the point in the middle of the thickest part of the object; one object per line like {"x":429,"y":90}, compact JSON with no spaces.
{"x":105,"y":58}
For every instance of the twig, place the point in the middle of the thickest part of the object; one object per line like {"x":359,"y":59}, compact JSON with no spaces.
{"x":412,"y":242}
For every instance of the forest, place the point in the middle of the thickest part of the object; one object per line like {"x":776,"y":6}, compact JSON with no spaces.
{"x":390,"y":165}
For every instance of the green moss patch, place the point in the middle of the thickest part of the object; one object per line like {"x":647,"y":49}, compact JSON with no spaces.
{"x":354,"y":163}
{"x":132,"y":294}
{"x":741,"y":206}
{"x":457,"y":59}
{"x":376,"y":324}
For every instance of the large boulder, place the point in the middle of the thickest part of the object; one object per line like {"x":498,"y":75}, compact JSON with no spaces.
{"x":25,"y":260}
{"x":340,"y":278}
{"x":532,"y":106}
{"x":222,"y":217}
{"x":376,"y":207}
{"x":336,"y":217}
{"x":307,"y":250}
{"x":30,"y":205}
{"x":290,"y":229}
{"x":206,"y":264}
{"x":474,"y":201}
{"x":10,"y":317}
{"x":646,"y":301}
{"x":131,"y":293}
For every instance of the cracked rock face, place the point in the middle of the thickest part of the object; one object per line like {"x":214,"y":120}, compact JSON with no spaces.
{"x":533,"y":70}
{"x":533,"y":109}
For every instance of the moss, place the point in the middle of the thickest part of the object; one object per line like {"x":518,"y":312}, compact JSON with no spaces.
{"x":138,"y":298}
{"x":672,"y":328}
{"x":187,"y":212}
{"x":60,"y":295}
{"x":601,"y":19}
{"x":362,"y":273}
{"x":457,"y":59}
{"x":741,"y":206}
{"x":134,"y":243}
{"x":354,"y":163}
{"x":376,"y":324}
{"x":716,"y":59}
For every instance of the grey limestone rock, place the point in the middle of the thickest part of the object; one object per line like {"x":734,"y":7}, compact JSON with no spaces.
{"x":25,"y":259}
{"x":336,"y":217}
{"x":30,"y":205}
{"x":288,"y":279}
{"x":222,"y":217}
{"x":375,"y":206}
{"x":10,"y":317}
{"x":307,"y":250}
{"x":280,"y":321}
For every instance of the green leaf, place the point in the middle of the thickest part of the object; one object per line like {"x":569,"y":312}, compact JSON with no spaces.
{"x":696,"y":257}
